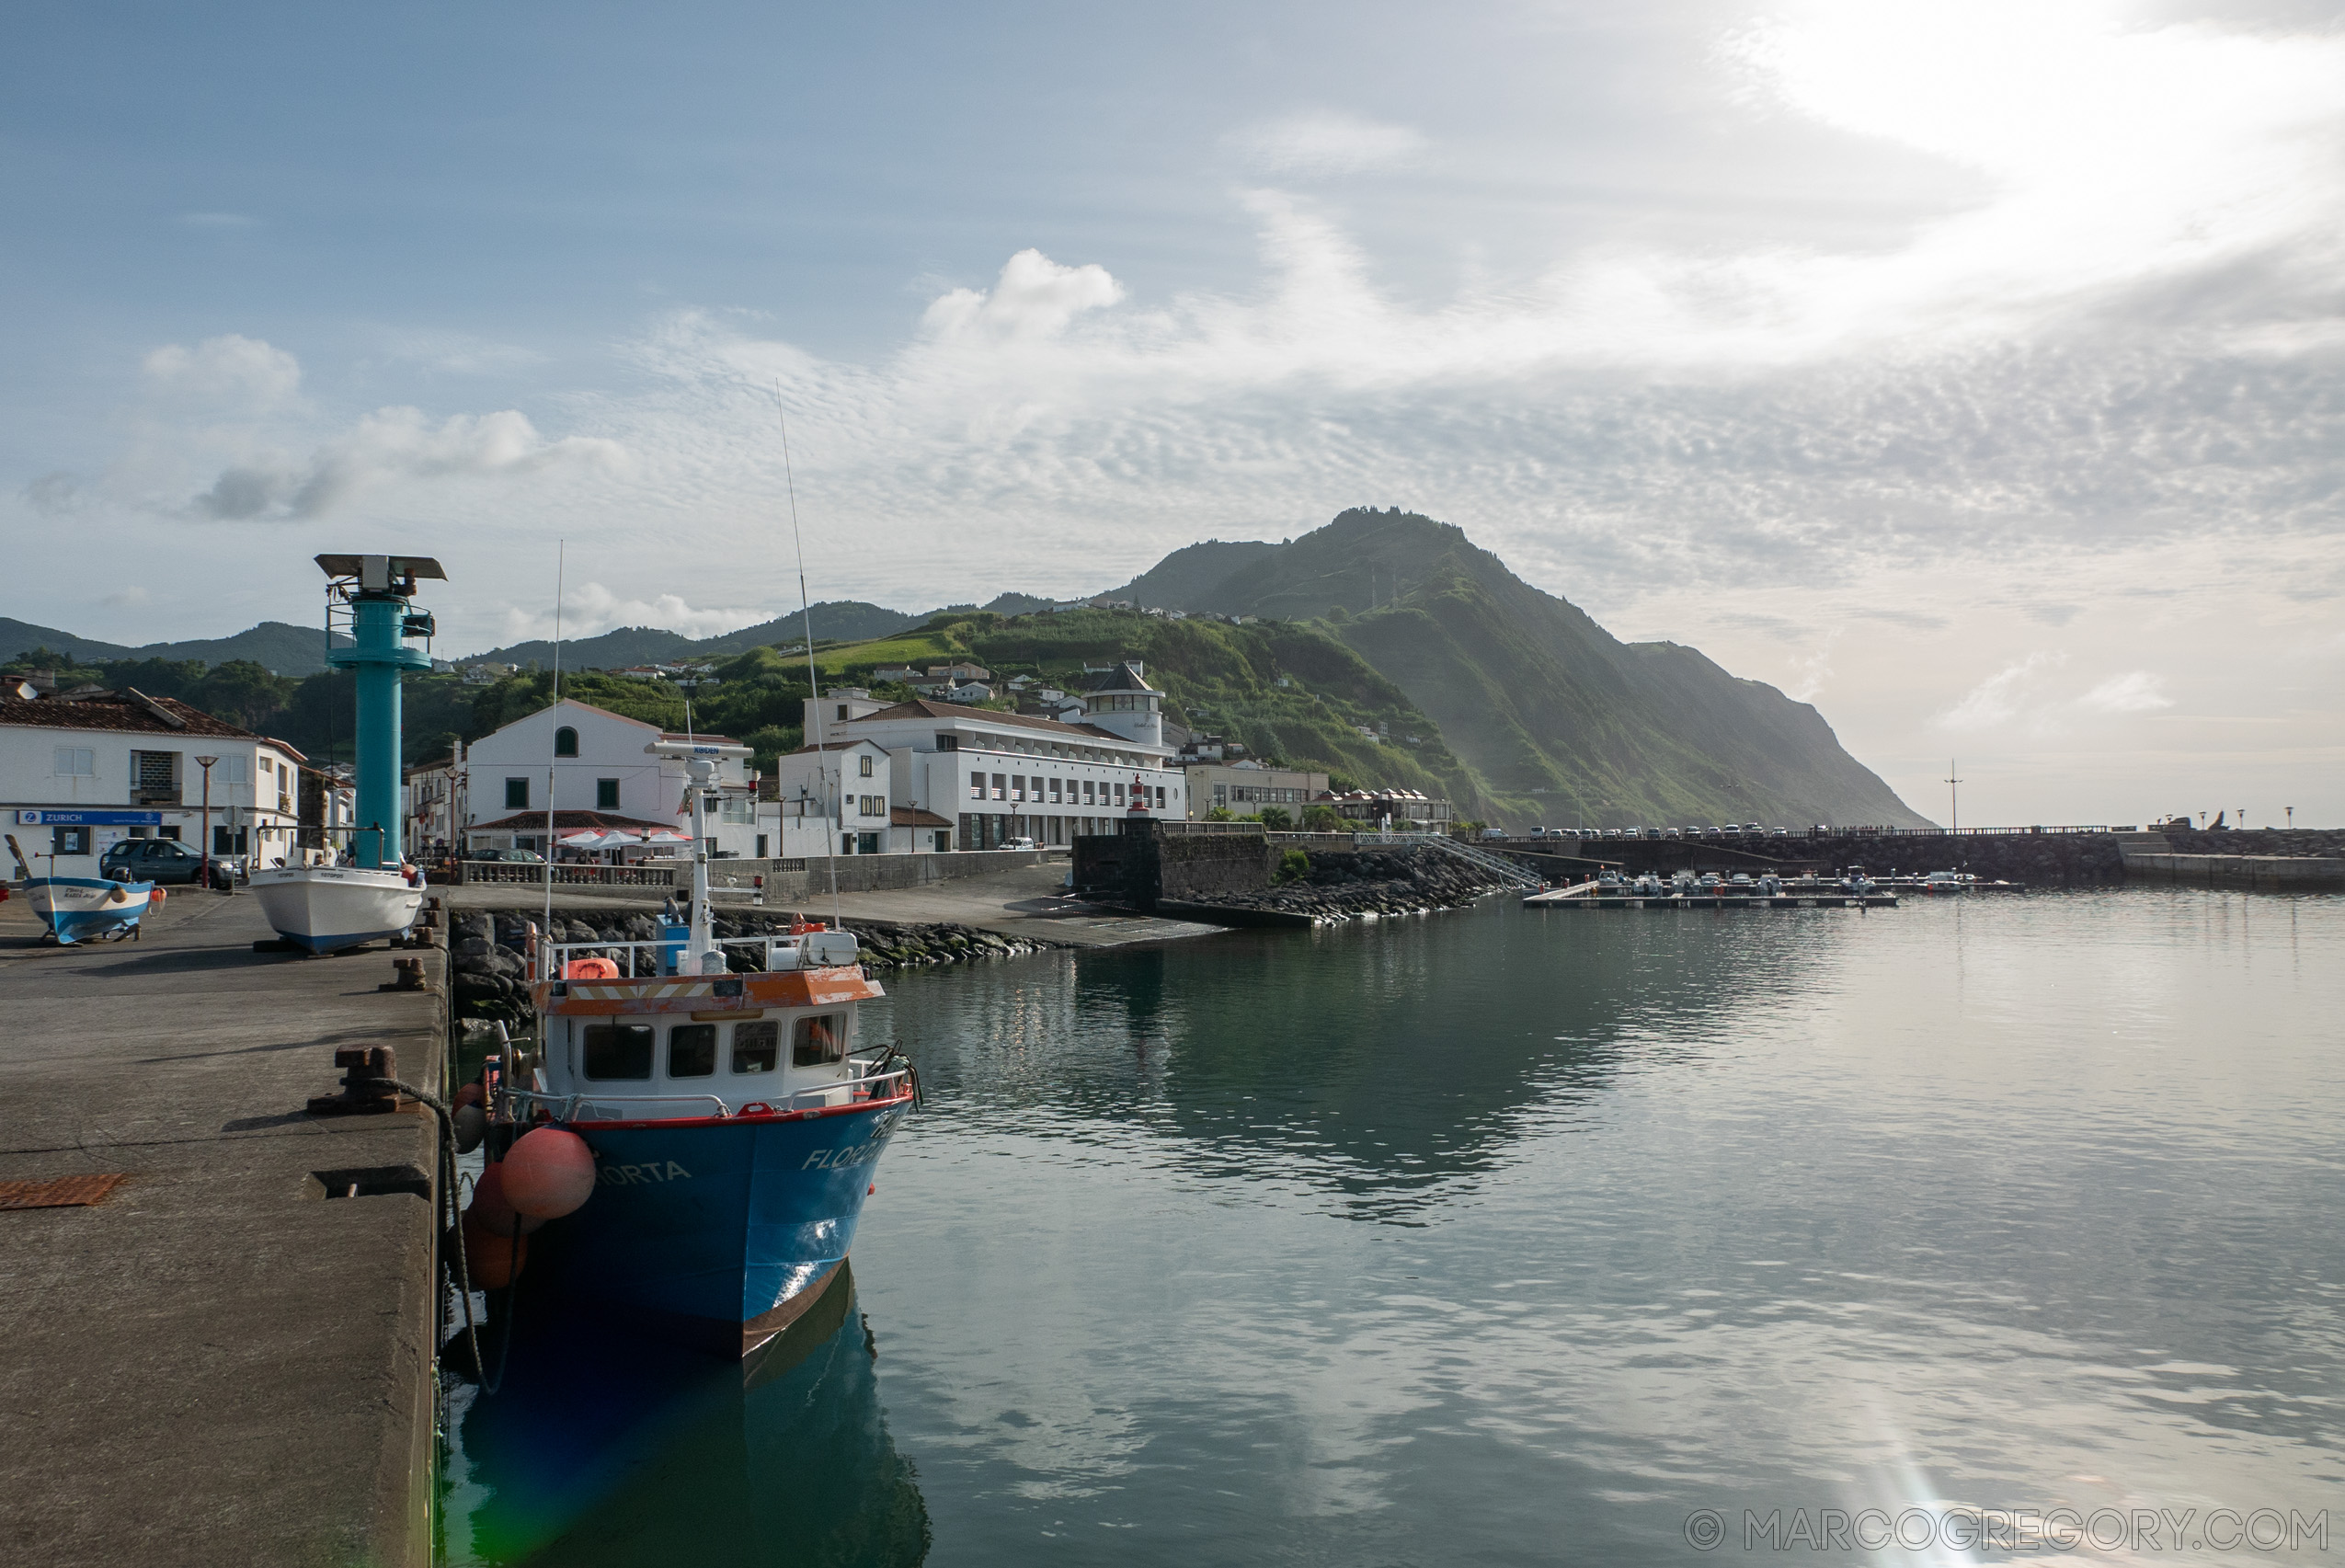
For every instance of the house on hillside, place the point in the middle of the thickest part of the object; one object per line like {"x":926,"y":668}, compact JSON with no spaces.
{"x":82,"y":771}
{"x":600,"y":763}
{"x":1242,"y":789}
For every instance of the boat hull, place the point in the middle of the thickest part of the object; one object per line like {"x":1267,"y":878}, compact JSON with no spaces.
{"x":324,"y":909}
{"x":719,"y":1231}
{"x":83,"y":909}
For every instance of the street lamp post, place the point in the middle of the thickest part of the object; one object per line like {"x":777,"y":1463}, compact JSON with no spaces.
{"x":205,"y":764}
{"x":1955,"y":796}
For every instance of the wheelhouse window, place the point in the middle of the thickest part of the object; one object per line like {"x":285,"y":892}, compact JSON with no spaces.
{"x":691,"y":1051}
{"x":818,"y":1040}
{"x":757,"y":1048}
{"x":618,"y":1050}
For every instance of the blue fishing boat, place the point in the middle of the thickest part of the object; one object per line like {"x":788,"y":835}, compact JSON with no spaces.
{"x":733,"y":1115}
{"x":90,"y":908}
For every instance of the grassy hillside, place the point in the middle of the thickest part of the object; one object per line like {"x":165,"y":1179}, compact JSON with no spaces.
{"x":1218,"y":677}
{"x":1556,"y":719}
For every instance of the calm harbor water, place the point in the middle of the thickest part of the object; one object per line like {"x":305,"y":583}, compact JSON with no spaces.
{"x":1511,"y":1237}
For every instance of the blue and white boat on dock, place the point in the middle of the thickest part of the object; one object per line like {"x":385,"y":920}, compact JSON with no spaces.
{"x":90,"y":908}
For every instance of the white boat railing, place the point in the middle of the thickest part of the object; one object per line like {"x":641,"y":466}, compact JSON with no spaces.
{"x":607,"y":1107}
{"x":562,"y":955}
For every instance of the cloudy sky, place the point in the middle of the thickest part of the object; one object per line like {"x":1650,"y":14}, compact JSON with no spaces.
{"x":1975,"y":371}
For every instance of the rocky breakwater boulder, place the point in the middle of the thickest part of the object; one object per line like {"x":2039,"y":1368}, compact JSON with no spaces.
{"x":1342,"y":885}
{"x":890,"y":944}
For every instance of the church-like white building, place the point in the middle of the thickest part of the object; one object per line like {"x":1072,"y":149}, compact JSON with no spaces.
{"x":603,"y":774}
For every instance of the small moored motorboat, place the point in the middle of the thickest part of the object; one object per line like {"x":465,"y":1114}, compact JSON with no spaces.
{"x":90,"y":908}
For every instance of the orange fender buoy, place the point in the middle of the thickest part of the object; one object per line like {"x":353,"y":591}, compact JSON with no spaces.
{"x":493,"y":1211}
{"x":549,"y":1172}
{"x":591,"y":969}
{"x":154,"y":897}
{"x":492,"y":1261}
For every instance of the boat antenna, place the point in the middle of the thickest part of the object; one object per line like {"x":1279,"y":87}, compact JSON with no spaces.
{"x":813,"y":678}
{"x":553,"y":738}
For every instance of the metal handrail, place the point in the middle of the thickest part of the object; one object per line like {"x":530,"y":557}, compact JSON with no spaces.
{"x":569,"y":1104}
{"x":562,"y":951}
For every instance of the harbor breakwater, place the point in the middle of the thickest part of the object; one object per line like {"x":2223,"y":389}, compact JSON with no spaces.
{"x":1199,"y":875}
{"x":486,"y":947}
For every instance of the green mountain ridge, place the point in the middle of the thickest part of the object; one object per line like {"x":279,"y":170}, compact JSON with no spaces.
{"x":1554,"y":718}
{"x":272,"y":645}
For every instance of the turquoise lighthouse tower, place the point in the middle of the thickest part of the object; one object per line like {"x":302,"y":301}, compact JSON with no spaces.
{"x":375,"y":594}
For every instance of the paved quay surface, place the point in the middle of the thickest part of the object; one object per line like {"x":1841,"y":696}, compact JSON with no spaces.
{"x":214,"y":1364}
{"x":1024,"y":903}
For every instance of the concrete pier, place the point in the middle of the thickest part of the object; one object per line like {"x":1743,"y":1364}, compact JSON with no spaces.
{"x":2253,"y":872}
{"x":221,"y":1362}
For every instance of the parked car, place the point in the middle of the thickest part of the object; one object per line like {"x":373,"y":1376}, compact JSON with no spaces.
{"x":1018,"y":843}
{"x":157,"y":860}
{"x":513,"y":857}
{"x":1489,"y":833}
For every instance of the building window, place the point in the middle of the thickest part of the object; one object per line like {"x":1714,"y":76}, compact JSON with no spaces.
{"x":69,"y":841}
{"x":606,"y":794}
{"x":866,"y":844}
{"x":1119,"y":794}
{"x":1054,"y":792}
{"x":1087,"y":796}
{"x":225,"y":841}
{"x":1000,"y":787}
{"x":618,"y":1050}
{"x":843,"y":712}
{"x":757,"y":1048}
{"x":819,"y":1040}
{"x":236,"y":768}
{"x":565,"y":742}
{"x":976,"y":787}
{"x":267,"y":766}
{"x":691,"y":1051}
{"x":1018,"y":787}
{"x":867,"y":763}
{"x":761,"y":846}
{"x":948,"y":743}
{"x":77,"y":762}
{"x":516,"y":794}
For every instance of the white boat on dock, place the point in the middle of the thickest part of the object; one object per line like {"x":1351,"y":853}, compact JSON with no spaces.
{"x":324,"y":909}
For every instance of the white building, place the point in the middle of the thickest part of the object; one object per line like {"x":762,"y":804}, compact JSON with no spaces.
{"x":1242,"y":789}
{"x":605,"y":773}
{"x":980,"y":776}
{"x":78,"y":775}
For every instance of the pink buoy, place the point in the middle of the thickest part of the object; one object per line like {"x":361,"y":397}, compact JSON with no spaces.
{"x":492,"y":1211}
{"x":548,"y":1173}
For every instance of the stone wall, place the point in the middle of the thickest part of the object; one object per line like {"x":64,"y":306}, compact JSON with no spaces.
{"x":2258,"y":841}
{"x":1348,"y":884}
{"x":2047,"y":860}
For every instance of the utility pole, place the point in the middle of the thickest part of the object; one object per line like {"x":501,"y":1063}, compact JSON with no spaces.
{"x":1954,"y":795}
{"x":205,"y":764}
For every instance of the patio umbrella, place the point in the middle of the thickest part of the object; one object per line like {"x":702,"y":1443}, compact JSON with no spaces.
{"x":667,"y":836}
{"x":597,"y":839}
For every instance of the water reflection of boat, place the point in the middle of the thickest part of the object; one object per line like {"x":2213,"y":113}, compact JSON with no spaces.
{"x":660,"y":1454}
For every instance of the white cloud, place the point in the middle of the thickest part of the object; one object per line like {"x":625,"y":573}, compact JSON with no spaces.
{"x":231,"y":370}
{"x":1034,"y":298}
{"x":591,"y":608}
{"x":2002,"y":696}
{"x":1322,"y":141}
{"x":2137,"y":691}
{"x":398,"y":445}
